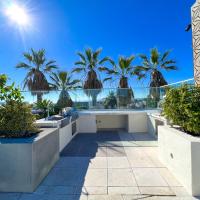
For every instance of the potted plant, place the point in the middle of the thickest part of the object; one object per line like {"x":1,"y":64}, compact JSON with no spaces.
{"x":26,"y":153}
{"x":179,"y":144}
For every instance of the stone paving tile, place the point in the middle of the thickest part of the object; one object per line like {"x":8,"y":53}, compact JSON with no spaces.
{"x":97,"y":167}
{"x":115,"y":152}
{"x":123,"y":190}
{"x":143,"y":137}
{"x":73,"y":162}
{"x":118,"y":162}
{"x":62,"y":190}
{"x":98,"y":163}
{"x":96,"y":177}
{"x":64,"y":177}
{"x":156,"y":191}
{"x":180,"y":191}
{"x":150,"y":197}
{"x":121,"y":177}
{"x":9,"y":196}
{"x":105,"y":197}
{"x":140,"y":162}
{"x":139,"y":197}
{"x":52,"y":197}
{"x":101,"y":152}
{"x":92,"y":190}
{"x":149,"y":177}
{"x":169,"y":178}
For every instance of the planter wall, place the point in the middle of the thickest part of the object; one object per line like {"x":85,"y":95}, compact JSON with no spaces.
{"x":181,"y":154}
{"x":26,"y":162}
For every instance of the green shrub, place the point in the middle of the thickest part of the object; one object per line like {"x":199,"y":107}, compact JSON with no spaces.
{"x":16,"y":120}
{"x":182,"y":107}
{"x":46,"y":107}
{"x":8,"y":92}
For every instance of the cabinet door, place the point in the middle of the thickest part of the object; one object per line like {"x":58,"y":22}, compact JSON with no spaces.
{"x":137,"y":122}
{"x":87,"y":124}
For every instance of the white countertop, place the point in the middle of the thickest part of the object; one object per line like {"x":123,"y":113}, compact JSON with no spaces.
{"x":48,"y":123}
{"x":114,"y":112}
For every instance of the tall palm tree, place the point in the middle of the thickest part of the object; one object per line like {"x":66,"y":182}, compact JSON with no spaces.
{"x":37,"y":67}
{"x":89,"y":65}
{"x":152,"y":66}
{"x":63,"y":81}
{"x":122,"y":71}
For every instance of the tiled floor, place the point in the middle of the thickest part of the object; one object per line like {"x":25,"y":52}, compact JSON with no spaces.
{"x":108,"y":166}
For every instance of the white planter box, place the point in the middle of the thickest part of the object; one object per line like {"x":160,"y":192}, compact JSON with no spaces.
{"x":25,"y":162}
{"x":180,"y":152}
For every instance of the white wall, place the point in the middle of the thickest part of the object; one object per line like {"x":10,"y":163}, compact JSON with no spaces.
{"x":180,"y":153}
{"x":65,"y":136}
{"x":111,"y":121}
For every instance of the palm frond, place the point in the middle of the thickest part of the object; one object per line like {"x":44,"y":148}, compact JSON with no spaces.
{"x":80,"y":63}
{"x":169,"y":67}
{"x":51,"y":62}
{"x":88,"y":53}
{"x":101,"y":69}
{"x":96,"y":54}
{"x":107,"y":79}
{"x":155,"y":56}
{"x":23,"y":65}
{"x":28,"y":57}
{"x":144,"y":58}
{"x":50,"y":68}
{"x":74,"y":82}
{"x":165,"y":55}
{"x":78,"y":69}
{"x":82,"y":57}
{"x":106,"y":59}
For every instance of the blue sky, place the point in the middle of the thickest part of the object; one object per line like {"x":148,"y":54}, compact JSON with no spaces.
{"x":120,"y":27}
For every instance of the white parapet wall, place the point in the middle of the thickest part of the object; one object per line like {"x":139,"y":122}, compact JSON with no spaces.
{"x":25,"y":162}
{"x":180,"y":152}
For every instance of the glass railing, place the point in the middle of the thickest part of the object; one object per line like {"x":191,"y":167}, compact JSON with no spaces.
{"x":107,"y":98}
{"x":138,"y":98}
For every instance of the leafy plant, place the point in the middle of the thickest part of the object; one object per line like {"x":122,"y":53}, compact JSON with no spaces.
{"x":182,"y":107}
{"x":110,"y":101}
{"x":46,"y":107}
{"x":16,"y":120}
{"x":37,"y":66}
{"x":89,"y":65}
{"x":9,"y":92}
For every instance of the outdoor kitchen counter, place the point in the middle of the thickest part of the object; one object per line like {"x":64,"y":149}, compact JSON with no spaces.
{"x":115,"y":112}
{"x":134,"y":121}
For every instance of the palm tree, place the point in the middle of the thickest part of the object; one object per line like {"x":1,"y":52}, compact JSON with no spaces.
{"x":122,"y":71}
{"x":152,"y":66}
{"x":63,"y":81}
{"x":37,"y":66}
{"x":89,"y":64}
